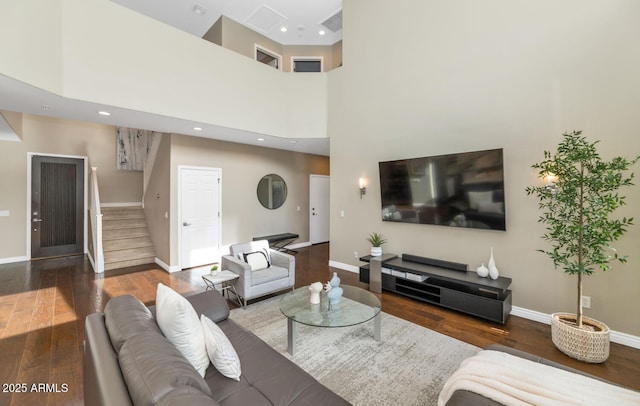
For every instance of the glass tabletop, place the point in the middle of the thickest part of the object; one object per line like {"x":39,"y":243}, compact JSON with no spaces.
{"x":356,"y":306}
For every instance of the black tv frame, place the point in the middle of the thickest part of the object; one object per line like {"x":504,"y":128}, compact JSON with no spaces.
{"x":463,"y":189}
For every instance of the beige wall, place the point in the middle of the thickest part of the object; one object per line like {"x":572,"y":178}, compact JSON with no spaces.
{"x":238,"y":38}
{"x":46,"y":135}
{"x":515,"y":79}
{"x":157,"y":201}
{"x":242,"y":168}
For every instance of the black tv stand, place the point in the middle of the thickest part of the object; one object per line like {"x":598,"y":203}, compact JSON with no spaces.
{"x":444,"y":283}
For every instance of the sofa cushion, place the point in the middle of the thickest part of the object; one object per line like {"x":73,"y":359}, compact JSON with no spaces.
{"x":273,"y":273}
{"x":210,"y":303}
{"x":152,"y":367}
{"x":181,"y":325}
{"x":126,"y":316}
{"x":268,"y":378}
{"x":221,"y":352}
{"x":187,"y":396}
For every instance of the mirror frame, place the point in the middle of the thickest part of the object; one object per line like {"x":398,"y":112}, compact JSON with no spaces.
{"x":272,"y":191}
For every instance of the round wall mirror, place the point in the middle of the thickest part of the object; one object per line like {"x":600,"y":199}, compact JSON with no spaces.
{"x":272,"y":191}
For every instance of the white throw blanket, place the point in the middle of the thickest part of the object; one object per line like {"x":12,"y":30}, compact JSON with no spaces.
{"x":512,"y":380}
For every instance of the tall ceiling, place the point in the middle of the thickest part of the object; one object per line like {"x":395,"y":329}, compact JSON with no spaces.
{"x":302,"y":19}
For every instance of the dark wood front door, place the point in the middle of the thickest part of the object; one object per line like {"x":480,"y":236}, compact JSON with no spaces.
{"x":57,"y":205}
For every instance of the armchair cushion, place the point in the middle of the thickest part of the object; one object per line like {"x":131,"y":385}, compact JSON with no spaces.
{"x":272,"y":273}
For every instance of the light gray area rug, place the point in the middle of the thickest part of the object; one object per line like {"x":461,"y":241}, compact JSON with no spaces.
{"x":408,"y":367}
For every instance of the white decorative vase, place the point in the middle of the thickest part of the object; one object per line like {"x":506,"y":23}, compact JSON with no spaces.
{"x":376,"y":251}
{"x":315,"y":289}
{"x":493,"y":270}
{"x":581,"y":344}
{"x":482,"y":271}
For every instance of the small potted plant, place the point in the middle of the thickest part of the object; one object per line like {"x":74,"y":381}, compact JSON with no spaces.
{"x":376,"y":240}
{"x":576,"y":203}
{"x":215,"y":268}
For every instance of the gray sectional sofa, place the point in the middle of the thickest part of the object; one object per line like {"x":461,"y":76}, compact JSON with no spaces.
{"x":127,"y":361}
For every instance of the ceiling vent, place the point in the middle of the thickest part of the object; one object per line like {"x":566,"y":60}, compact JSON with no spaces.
{"x":265,"y":18}
{"x":334,"y":23}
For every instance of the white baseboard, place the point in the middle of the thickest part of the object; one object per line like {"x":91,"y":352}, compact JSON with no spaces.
{"x":344,"y":267}
{"x":122,"y":204}
{"x":616,"y":336}
{"x":298,"y":245}
{"x":168,"y":268}
{"x":11,"y":260}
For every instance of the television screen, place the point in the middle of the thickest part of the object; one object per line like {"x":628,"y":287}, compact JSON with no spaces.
{"x":458,"y":190}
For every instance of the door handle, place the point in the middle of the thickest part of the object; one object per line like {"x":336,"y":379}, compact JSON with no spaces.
{"x":186,"y":224}
{"x":37,"y":220}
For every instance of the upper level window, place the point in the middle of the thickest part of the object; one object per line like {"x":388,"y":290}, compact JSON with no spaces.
{"x":268,"y":57}
{"x":306,"y":64}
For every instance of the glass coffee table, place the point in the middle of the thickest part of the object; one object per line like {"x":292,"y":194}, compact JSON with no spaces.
{"x":355,"y":307}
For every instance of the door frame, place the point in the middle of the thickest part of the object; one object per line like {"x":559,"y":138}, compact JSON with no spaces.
{"x":328,"y":177}
{"x":179,"y":216}
{"x":85,"y":228}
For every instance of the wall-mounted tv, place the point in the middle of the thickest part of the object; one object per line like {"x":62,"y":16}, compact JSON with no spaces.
{"x":458,"y":190}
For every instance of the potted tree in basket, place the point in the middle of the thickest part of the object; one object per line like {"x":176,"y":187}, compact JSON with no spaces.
{"x":576,"y":209}
{"x":376,"y":240}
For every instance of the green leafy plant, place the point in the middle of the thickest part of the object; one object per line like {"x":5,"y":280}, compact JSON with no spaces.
{"x":214,"y":266}
{"x":376,"y":239}
{"x":577,"y":207}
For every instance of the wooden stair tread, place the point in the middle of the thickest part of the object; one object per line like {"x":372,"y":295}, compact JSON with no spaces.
{"x":125,"y":237}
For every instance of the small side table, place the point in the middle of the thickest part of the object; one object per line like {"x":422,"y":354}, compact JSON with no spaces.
{"x":225,"y":279}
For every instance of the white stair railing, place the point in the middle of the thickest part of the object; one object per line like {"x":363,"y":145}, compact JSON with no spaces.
{"x":97,"y":256}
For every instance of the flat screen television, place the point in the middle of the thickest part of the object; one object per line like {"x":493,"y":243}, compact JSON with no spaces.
{"x":458,"y":190}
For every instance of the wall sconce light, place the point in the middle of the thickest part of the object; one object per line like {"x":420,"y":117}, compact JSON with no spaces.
{"x":363,"y":188}
{"x":551,"y":185}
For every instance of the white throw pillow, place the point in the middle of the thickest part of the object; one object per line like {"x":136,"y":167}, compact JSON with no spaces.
{"x":179,"y":322}
{"x":221,"y":352}
{"x":256,"y":260}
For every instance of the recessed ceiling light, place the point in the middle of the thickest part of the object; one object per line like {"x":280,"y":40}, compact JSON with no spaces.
{"x":293,"y":142}
{"x":321,"y":32}
{"x":283,"y":29}
{"x":197,"y":128}
{"x":45,"y":107}
{"x":104,"y":113}
{"x":261,"y":139}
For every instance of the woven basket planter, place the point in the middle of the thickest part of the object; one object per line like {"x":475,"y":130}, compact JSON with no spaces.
{"x":583,"y":345}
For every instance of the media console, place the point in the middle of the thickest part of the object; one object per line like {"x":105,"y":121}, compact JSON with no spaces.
{"x":444,"y":283}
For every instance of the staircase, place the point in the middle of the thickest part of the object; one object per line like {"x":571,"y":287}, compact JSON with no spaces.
{"x":125,"y":238}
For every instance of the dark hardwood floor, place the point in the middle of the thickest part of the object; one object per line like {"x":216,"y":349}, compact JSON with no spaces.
{"x":43,"y":305}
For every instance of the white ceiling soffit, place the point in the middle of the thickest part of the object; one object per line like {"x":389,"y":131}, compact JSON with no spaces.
{"x":20,"y":97}
{"x":264,"y":19}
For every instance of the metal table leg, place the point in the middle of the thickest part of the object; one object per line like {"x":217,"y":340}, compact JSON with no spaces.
{"x":377,"y":321}
{"x":291,"y":336}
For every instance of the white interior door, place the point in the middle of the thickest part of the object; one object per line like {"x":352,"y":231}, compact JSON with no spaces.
{"x":200,"y":201}
{"x":318,"y":209}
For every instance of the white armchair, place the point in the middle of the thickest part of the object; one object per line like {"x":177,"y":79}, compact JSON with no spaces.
{"x":277,"y":272}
